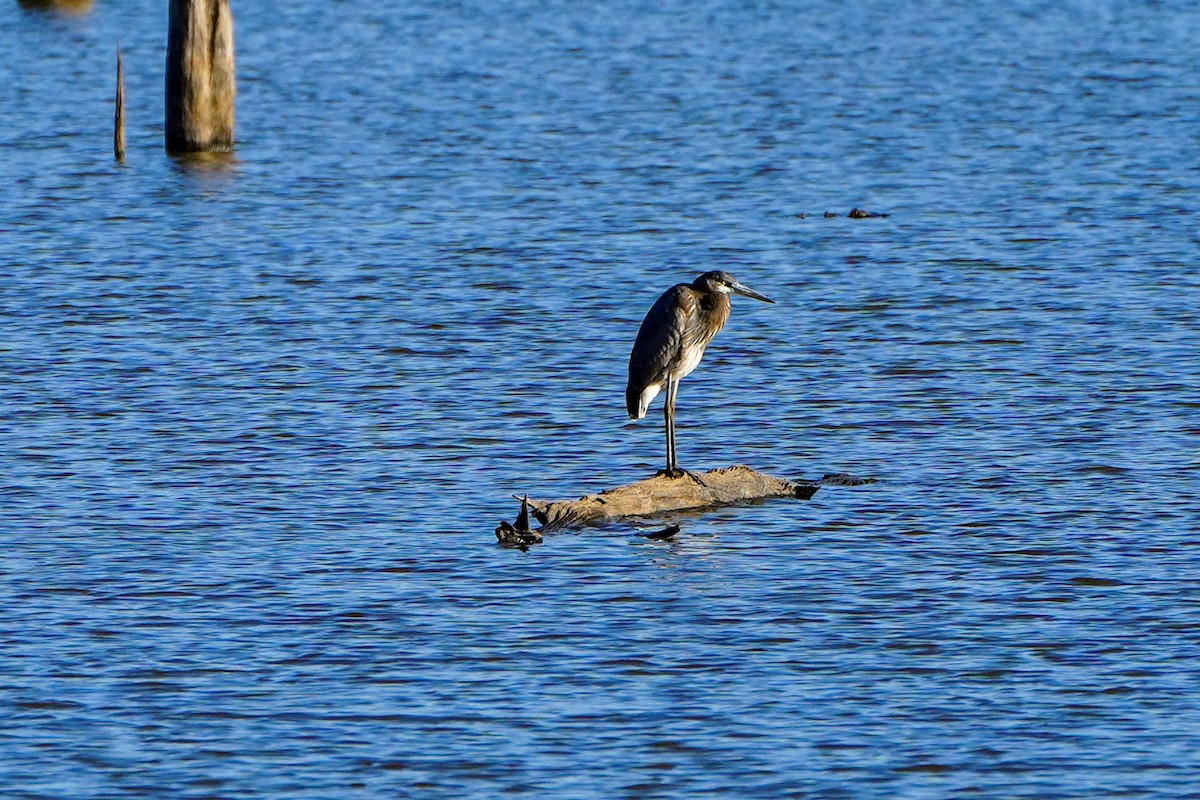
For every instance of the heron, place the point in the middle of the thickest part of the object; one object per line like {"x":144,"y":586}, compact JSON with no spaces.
{"x":671,"y":342}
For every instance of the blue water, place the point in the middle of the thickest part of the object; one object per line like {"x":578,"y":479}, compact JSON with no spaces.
{"x":261,"y":417}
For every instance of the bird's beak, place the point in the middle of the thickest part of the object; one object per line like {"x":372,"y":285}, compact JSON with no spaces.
{"x":743,"y":289}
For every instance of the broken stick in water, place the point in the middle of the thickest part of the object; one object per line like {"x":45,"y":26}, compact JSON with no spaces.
{"x":119,"y":116}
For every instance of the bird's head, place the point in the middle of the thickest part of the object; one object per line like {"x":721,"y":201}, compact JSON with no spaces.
{"x":719,"y":281}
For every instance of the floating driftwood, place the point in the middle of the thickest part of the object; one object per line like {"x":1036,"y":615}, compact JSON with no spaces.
{"x":201,"y":81}
{"x":855,"y":213}
{"x":652,"y":497}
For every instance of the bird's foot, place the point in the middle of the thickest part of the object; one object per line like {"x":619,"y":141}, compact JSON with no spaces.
{"x":671,"y":473}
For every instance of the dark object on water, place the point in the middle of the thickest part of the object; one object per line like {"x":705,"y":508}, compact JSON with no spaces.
{"x":842,"y":479}
{"x":201,"y":81}
{"x":509,"y":536}
{"x":829,"y":215}
{"x":119,"y":114}
{"x":665,"y":534}
{"x":518,"y":534}
{"x":671,"y":342}
{"x":859,"y":213}
{"x":805,"y":491}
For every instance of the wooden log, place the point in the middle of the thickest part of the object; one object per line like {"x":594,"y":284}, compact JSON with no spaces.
{"x":518,"y":534}
{"x":63,"y":7}
{"x":201,"y":81}
{"x":660,"y":494}
{"x":119,"y":115}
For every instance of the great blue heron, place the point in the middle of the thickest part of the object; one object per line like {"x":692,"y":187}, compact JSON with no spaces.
{"x":671,"y":343}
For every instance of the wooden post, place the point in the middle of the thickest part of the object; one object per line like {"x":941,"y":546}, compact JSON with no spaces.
{"x":201,"y":81}
{"x":119,"y":115}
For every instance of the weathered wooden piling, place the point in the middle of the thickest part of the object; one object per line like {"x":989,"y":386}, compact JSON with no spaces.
{"x":201,"y":80}
{"x":119,"y":114}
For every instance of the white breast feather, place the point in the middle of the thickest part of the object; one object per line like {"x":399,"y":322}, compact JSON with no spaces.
{"x":689,"y":360}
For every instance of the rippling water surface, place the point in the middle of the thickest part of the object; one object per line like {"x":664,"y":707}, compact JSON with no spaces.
{"x":260,"y":418}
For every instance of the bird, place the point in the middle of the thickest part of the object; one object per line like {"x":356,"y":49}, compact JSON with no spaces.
{"x":671,"y":342}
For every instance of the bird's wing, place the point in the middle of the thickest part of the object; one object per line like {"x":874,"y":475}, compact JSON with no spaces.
{"x":660,"y":339}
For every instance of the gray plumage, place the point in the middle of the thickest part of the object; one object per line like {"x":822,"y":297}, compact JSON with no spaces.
{"x":672,"y":340}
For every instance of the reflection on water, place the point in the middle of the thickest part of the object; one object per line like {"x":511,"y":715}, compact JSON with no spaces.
{"x":208,"y":165}
{"x":261,"y":415}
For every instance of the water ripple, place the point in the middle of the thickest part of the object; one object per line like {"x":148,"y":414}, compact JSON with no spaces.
{"x":262,"y":415}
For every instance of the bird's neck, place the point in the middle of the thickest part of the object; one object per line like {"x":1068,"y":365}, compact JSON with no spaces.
{"x":715,"y":306}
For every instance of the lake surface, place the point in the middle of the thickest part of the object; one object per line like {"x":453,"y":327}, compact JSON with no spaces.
{"x":261,"y":418}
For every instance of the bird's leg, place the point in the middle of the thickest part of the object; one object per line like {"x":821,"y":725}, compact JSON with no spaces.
{"x":669,"y":425}
{"x":673,"y":470}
